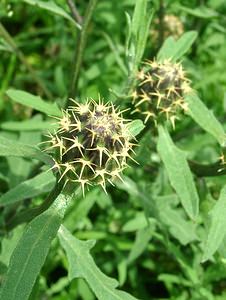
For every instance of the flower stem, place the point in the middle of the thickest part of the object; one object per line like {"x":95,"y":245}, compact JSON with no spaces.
{"x":79,"y":51}
{"x":29,"y":214}
{"x":161,"y":13}
{"x":74,"y":11}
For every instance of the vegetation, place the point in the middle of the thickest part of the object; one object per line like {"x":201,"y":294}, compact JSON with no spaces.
{"x":112,"y":150}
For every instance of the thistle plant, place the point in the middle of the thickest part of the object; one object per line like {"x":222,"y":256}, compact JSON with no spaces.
{"x":160,"y":90}
{"x":165,"y":227}
{"x":92,"y":144}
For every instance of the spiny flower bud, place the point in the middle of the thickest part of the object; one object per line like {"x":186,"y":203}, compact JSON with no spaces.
{"x":160,"y":91}
{"x":92,"y":144}
{"x":172,"y":26}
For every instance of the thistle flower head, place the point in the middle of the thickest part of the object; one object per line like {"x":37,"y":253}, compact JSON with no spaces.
{"x":92,"y":143}
{"x":171,"y":25}
{"x":159,"y":94}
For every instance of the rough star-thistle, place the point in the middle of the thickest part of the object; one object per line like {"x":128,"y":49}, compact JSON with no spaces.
{"x":92,"y":144}
{"x":160,"y":90}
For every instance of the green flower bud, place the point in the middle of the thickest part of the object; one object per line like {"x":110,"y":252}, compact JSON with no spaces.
{"x":92,"y":144}
{"x":160,"y":91}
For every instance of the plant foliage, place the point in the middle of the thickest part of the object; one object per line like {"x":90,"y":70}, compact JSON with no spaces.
{"x":157,"y":228}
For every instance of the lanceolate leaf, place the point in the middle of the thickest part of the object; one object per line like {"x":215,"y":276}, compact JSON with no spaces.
{"x":52,"y":7}
{"x":174,"y":50}
{"x":41,"y":183}
{"x":139,"y":31}
{"x":217,"y":229}
{"x":179,"y":173}
{"x":28,"y":125}
{"x":200,"y":12}
{"x":15,"y":148}
{"x":184,"y":44}
{"x":34,"y":102}
{"x":81,"y":264}
{"x":205,"y":118}
{"x":31,"y":251}
{"x":167,"y":49}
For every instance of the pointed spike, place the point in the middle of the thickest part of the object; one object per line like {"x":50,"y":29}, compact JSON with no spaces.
{"x":103,"y":185}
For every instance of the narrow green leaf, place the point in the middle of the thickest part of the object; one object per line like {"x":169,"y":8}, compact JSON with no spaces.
{"x":174,"y":50}
{"x":217,"y":228}
{"x":8,"y":244}
{"x":200,"y":12}
{"x":167,"y":50}
{"x":5,"y":47}
{"x":54,"y":8}
{"x":41,"y":183}
{"x":184,"y":44}
{"x":139,"y":31}
{"x":28,"y":125}
{"x":136,"y":223}
{"x":179,"y":173}
{"x":135,"y":127}
{"x":128,"y":35}
{"x":34,"y":102}
{"x":115,"y":51}
{"x":139,"y":10}
{"x":205,"y":118}
{"x":142,"y":36}
{"x":142,"y":239}
{"x":31,"y":251}
{"x":23,"y":165}
{"x":81,"y":264}
{"x":15,"y":148}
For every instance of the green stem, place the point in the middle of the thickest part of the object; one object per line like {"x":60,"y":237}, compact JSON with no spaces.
{"x":79,"y":51}
{"x":8,"y":75}
{"x":74,"y":11}
{"x":161,"y":22}
{"x":5,"y":34}
{"x":29,"y":214}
